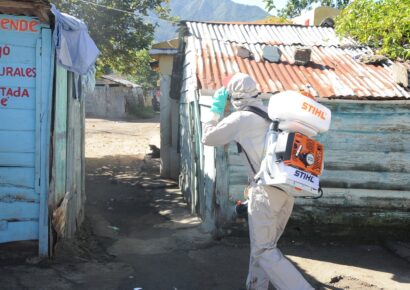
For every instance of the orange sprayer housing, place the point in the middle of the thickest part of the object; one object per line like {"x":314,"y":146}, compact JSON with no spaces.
{"x":304,"y":153}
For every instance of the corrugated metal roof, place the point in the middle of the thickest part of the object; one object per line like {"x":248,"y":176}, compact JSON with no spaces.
{"x":121,"y":81}
{"x":333,"y":72}
{"x":273,"y":34}
{"x":37,"y":8}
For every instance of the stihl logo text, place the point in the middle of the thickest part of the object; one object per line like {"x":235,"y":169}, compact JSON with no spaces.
{"x":304,"y":175}
{"x":314,"y":111}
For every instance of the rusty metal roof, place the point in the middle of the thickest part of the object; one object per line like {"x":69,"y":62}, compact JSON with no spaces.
{"x":332,"y":73}
{"x":120,"y":80}
{"x":37,"y":8}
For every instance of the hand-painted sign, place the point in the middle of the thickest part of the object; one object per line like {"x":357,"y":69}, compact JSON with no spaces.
{"x":19,"y":25}
{"x":4,"y":51}
{"x":10,"y":71}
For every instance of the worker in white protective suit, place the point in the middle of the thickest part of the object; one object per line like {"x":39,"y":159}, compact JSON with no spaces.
{"x":269,"y":208}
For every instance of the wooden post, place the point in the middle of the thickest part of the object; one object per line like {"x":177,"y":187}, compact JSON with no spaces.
{"x":166,"y":126}
{"x":174,"y":155}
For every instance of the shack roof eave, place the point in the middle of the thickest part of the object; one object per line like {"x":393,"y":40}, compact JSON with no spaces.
{"x":158,"y":51}
{"x":333,"y":99}
{"x":120,"y":81}
{"x":36,"y":8}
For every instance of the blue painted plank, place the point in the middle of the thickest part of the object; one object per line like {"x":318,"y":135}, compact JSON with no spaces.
{"x":17,"y":54}
{"x":17,"y":159}
{"x":369,"y":141}
{"x":18,"y":81}
{"x":19,"y":194}
{"x":47,"y":63}
{"x":368,"y":161}
{"x":22,"y":22}
{"x":19,"y":231}
{"x":60,"y":134}
{"x":365,"y":180}
{"x":375,"y":122}
{"x":27,"y":103}
{"x":18,"y":211}
{"x":15,"y":176}
{"x":17,"y":120}
{"x":9,"y":38}
{"x":20,"y":128}
{"x":39,"y":112}
{"x":17,"y":142}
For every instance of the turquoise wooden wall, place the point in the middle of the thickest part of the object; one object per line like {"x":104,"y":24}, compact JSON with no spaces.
{"x":67,"y":194}
{"x":26,"y":62}
{"x":367,"y":172}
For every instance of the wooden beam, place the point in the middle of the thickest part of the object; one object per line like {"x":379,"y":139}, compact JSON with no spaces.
{"x":40,"y":9}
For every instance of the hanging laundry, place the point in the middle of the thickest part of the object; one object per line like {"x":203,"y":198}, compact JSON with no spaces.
{"x":76,"y":51}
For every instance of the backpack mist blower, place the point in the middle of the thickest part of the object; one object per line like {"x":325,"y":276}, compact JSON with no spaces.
{"x":293,"y":161}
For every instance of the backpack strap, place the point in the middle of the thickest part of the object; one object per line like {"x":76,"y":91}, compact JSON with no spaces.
{"x":261,"y":113}
{"x":240,"y":150}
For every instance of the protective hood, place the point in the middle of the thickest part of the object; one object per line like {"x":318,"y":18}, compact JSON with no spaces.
{"x":243,"y":91}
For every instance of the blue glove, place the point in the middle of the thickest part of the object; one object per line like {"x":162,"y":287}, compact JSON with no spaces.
{"x":219,"y":101}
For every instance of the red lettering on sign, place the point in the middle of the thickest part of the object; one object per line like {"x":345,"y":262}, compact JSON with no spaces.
{"x":3,"y":102}
{"x":3,"y":24}
{"x":20,"y":25}
{"x":14,"y":92}
{"x":8,"y":71}
{"x":4,"y":51}
{"x":14,"y":25}
{"x":25,"y":93}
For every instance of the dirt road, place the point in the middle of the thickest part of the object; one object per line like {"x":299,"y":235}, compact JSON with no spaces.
{"x":139,"y":234}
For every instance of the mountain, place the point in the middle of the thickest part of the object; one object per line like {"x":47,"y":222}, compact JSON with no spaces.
{"x":206,"y":10}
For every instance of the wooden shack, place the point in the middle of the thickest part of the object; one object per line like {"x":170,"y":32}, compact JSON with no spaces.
{"x":367,"y":173}
{"x":115,"y":97}
{"x":41,"y":132}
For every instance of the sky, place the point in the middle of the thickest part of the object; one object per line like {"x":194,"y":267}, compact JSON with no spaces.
{"x":261,"y":4}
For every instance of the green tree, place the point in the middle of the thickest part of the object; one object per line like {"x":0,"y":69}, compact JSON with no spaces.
{"x":146,"y":77}
{"x":119,"y":29}
{"x":383,"y":25}
{"x":294,"y":8}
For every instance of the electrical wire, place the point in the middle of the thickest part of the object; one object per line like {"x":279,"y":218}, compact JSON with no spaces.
{"x":122,"y":11}
{"x":107,"y":7}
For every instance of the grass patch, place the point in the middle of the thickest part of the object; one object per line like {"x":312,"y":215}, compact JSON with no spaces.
{"x":142,"y":112}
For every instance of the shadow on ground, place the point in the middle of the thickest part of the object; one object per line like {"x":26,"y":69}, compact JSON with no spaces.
{"x":138,"y":233}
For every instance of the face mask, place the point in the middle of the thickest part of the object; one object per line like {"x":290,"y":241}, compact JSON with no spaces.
{"x":240,"y":103}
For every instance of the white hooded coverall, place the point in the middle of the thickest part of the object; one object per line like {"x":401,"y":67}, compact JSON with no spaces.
{"x":269,"y":208}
